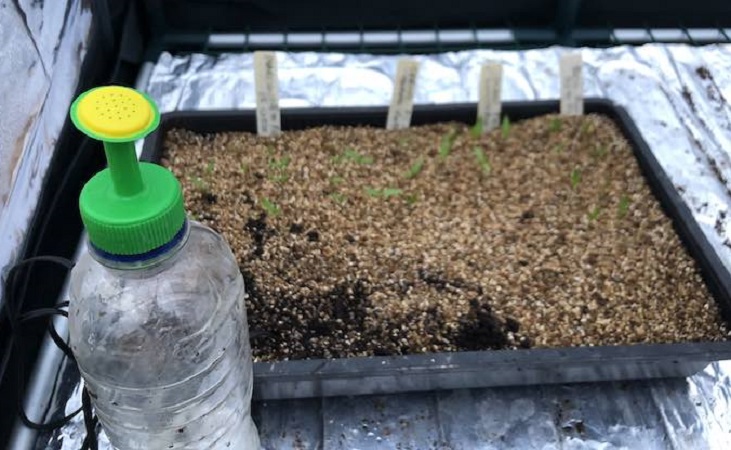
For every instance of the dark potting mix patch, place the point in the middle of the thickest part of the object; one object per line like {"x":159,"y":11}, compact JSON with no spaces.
{"x":362,"y":241}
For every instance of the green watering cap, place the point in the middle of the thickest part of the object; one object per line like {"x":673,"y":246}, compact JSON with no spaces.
{"x":130,"y":208}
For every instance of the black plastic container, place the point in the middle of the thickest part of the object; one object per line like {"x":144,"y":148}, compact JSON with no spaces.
{"x":371,"y":375}
{"x":187,"y":25}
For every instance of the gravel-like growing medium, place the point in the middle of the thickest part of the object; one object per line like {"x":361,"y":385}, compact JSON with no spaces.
{"x":362,"y":241}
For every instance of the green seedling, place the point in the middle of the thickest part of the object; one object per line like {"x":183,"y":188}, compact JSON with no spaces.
{"x":575,"y":178}
{"x":210,"y":167}
{"x":358,"y":158}
{"x":383,"y":193}
{"x":415,"y":168}
{"x":623,"y":208}
{"x":585,"y":128}
{"x":559,"y":149}
{"x":200,"y":185}
{"x":555,"y":125}
{"x":352,"y":155}
{"x":483,"y":161}
{"x":271,"y":208}
{"x":338,"y":198}
{"x":445,"y":145}
{"x":391,"y":192}
{"x":477,"y":129}
{"x":594,"y":214}
{"x":279,"y":164}
{"x":600,"y":151}
{"x":373,"y":192}
{"x":244,"y":168}
{"x":279,"y":178}
{"x":505,"y":127}
{"x":336,"y":181}
{"x":411,"y":199}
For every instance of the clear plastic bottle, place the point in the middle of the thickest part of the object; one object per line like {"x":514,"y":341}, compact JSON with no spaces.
{"x":164,"y":347}
{"x":157,"y":318}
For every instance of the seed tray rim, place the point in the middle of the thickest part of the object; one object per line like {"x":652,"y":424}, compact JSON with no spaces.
{"x":385,"y":374}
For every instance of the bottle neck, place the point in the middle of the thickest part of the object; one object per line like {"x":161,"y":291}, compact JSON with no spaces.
{"x":146,"y":260}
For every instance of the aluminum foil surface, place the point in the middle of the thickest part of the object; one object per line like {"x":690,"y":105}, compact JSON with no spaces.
{"x":676,"y":94}
{"x":42,"y":45}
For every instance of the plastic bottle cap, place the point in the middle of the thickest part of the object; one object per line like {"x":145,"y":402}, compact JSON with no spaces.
{"x":130,"y":208}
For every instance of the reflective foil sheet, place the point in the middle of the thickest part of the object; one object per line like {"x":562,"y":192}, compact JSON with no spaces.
{"x":41,"y":46}
{"x":676,"y":95}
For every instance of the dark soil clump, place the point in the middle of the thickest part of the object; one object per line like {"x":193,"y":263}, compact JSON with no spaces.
{"x":258,"y":229}
{"x":480,"y":329}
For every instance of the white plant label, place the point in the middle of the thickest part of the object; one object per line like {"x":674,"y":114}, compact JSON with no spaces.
{"x":489,"y":106}
{"x":572,"y":85}
{"x":402,"y":101}
{"x":266,"y":82}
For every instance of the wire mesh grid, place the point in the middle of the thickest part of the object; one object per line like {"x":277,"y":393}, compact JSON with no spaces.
{"x":435,"y":40}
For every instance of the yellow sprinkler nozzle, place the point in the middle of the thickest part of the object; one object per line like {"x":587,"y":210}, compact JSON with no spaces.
{"x":114,"y":114}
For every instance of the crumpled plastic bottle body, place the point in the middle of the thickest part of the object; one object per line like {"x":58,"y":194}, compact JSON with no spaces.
{"x":164,"y":349}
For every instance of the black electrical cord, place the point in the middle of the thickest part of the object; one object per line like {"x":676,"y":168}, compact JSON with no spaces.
{"x":86,"y":146}
{"x":90,"y":442}
{"x":10,"y":291}
{"x":16,"y":319}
